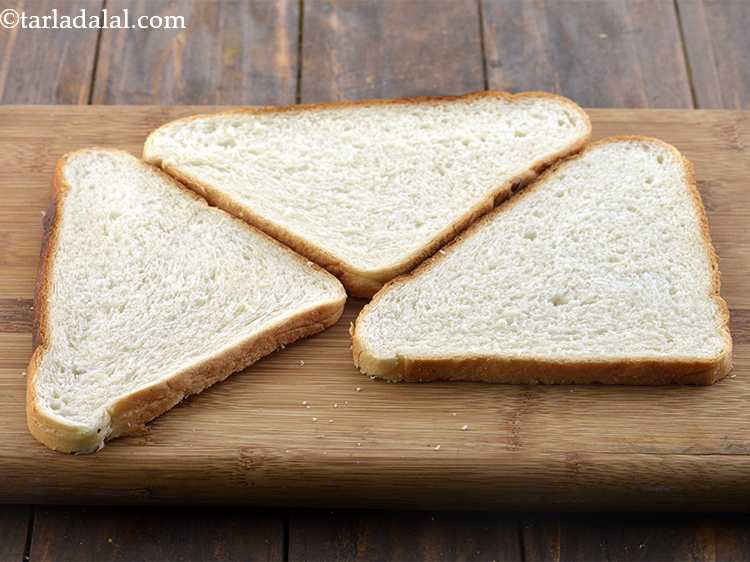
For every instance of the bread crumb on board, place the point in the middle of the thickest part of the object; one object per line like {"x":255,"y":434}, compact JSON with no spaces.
{"x":464,"y":427}
{"x":436,"y":447}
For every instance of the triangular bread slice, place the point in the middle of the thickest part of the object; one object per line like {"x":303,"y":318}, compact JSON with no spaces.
{"x":601,"y":271}
{"x":147,"y":295}
{"x":369,"y":189}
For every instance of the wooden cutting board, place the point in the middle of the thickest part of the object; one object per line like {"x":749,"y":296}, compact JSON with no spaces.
{"x":251,"y":439}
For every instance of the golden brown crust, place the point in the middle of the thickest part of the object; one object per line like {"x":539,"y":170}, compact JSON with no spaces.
{"x":129,"y":413}
{"x":358,"y":282}
{"x":533,"y":370}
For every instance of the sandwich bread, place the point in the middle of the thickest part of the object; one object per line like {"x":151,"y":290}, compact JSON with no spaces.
{"x":147,"y":295}
{"x":601,"y":271}
{"x":370,"y":189}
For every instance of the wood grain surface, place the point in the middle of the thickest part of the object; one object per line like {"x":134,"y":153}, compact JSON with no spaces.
{"x":717,"y":43}
{"x":59,"y":67}
{"x":14,"y":527}
{"x":96,"y":533}
{"x":416,"y":535}
{"x":641,"y":536}
{"x":377,"y":49}
{"x":47,"y":66}
{"x":229,"y":52}
{"x":80,"y":534}
{"x":250,"y":439}
{"x":608,"y":53}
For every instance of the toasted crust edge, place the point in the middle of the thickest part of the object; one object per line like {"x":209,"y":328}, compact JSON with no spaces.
{"x":130,"y":413}
{"x":361,"y":283}
{"x":533,"y":370}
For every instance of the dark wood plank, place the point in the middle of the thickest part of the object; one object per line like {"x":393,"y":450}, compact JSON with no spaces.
{"x":233,"y":52}
{"x":563,"y":537}
{"x":636,"y":537}
{"x":732,"y":536}
{"x":540,"y":537}
{"x":417,"y":535}
{"x":14,"y":524}
{"x":104,"y":533}
{"x":378,"y":49}
{"x":662,"y":537}
{"x":48,"y":65}
{"x":608,"y":53}
{"x":717,"y":43}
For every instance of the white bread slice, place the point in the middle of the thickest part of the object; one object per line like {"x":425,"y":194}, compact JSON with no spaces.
{"x":369,"y":189}
{"x":146,"y":295}
{"x":601,"y":271}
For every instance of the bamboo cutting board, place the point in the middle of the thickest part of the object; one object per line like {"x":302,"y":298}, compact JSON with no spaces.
{"x":252,"y":439}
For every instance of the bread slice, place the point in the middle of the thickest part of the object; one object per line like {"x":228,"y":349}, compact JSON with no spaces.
{"x":601,"y":271}
{"x":369,"y":189}
{"x":146,"y":295}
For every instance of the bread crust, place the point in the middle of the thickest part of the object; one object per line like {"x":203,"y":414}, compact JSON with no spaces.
{"x":534,"y":370}
{"x":129,"y":413}
{"x":358,"y":282}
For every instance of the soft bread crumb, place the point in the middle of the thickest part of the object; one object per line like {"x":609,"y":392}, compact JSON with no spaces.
{"x":363,"y":167}
{"x":148,"y":282}
{"x":604,"y":259}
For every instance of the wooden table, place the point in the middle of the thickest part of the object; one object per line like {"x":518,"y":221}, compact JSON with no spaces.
{"x":602,"y":53}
